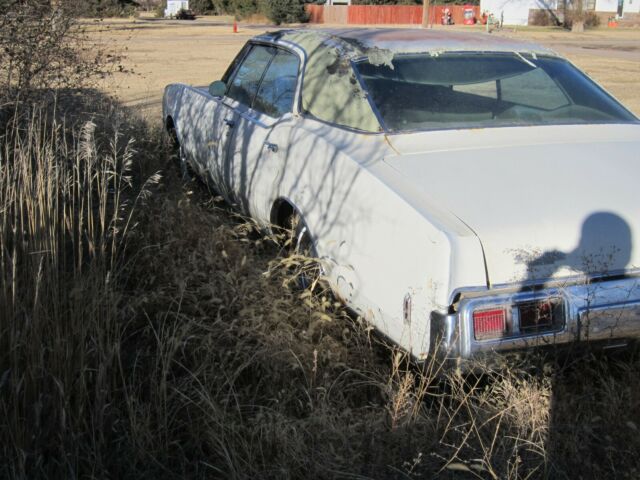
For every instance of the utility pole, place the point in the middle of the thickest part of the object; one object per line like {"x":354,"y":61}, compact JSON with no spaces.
{"x":425,"y":13}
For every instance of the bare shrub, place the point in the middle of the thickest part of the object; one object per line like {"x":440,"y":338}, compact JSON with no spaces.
{"x":543,"y":18}
{"x":44,"y":48}
{"x":591,"y":19}
{"x":577,"y":18}
{"x":285,"y":11}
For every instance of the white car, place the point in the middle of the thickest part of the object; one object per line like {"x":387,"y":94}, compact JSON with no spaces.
{"x":464,"y":193}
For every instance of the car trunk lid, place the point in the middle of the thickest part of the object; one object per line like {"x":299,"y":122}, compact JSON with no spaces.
{"x":545,"y":202}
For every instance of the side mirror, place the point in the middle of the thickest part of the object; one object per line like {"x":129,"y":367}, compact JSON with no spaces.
{"x":217,"y":88}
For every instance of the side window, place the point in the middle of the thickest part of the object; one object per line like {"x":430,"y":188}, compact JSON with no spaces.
{"x":246,"y":80}
{"x":277,"y":90}
{"x":228,"y":74}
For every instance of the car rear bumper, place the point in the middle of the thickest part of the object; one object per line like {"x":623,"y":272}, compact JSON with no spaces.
{"x":607,"y":312}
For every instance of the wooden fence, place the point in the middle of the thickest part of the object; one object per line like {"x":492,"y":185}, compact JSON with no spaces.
{"x":383,"y":14}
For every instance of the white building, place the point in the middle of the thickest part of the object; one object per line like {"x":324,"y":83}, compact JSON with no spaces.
{"x":631,"y":6}
{"x":516,"y":12}
{"x":174,"y":6}
{"x":606,"y":6}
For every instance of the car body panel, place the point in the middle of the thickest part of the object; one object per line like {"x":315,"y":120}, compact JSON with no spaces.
{"x":436,"y":220}
{"x":556,"y":209}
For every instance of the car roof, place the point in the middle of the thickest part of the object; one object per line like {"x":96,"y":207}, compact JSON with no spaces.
{"x":405,"y":40}
{"x":332,"y":92}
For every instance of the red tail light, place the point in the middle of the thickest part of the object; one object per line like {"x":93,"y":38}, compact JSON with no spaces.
{"x":489,"y":323}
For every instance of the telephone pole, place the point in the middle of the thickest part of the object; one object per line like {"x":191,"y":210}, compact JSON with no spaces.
{"x":425,"y":13}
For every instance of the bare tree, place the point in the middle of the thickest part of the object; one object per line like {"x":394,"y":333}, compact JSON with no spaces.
{"x":149,"y":5}
{"x":577,"y":15}
{"x":43,"y":47}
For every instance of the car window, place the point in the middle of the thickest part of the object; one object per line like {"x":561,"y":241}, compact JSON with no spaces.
{"x":278,"y":87}
{"x":533,"y":89}
{"x":233,"y":66}
{"x":475,"y":90}
{"x":331,"y":91}
{"x":482,"y":89}
{"x":247,"y":77}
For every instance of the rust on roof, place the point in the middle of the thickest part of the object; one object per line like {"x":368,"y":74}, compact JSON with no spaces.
{"x":414,"y":40}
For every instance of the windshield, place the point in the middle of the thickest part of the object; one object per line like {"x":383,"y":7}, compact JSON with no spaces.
{"x":475,"y":90}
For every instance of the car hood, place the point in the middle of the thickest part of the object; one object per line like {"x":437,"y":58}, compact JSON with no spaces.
{"x":545,"y":202}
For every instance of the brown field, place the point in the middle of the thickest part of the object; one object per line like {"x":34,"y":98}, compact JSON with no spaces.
{"x":161,"y":52}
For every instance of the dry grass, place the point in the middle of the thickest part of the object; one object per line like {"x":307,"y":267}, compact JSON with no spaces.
{"x":148,"y":332}
{"x":178,"y":349}
{"x":163,"y":338}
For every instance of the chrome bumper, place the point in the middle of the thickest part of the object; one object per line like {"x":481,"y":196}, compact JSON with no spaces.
{"x":603,"y":311}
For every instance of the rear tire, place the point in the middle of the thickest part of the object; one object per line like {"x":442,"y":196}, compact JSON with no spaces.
{"x":309,"y":271}
{"x":178,"y":151}
{"x":183,"y":163}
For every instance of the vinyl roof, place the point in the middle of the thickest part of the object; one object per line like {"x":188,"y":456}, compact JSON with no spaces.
{"x":410,"y":40}
{"x":332,"y":92}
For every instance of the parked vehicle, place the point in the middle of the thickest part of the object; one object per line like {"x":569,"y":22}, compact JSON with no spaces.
{"x":464,"y":193}
{"x":184,"y":14}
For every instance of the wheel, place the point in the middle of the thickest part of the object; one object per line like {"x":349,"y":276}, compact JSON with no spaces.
{"x":179,"y":152}
{"x":183,"y":163}
{"x":307,"y":269}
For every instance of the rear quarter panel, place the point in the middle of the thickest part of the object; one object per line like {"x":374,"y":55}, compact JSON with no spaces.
{"x":376,"y":247}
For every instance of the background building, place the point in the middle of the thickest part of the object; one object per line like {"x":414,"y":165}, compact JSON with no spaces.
{"x":174,"y":6}
{"x":517,"y":12}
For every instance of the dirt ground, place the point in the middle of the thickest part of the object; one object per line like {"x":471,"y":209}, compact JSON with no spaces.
{"x":162,"y":51}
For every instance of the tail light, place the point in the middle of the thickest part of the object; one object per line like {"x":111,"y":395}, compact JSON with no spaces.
{"x":540,"y":316}
{"x":489,"y":323}
{"x":511,"y":320}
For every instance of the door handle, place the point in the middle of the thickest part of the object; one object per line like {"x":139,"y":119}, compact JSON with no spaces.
{"x":229,"y":122}
{"x":272,"y":147}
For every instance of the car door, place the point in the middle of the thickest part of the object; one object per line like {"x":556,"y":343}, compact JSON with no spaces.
{"x":208,"y":130}
{"x":257,"y":151}
{"x":243,"y":79}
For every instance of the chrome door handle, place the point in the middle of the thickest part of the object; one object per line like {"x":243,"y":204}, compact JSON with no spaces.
{"x":272,"y":147}
{"x":229,"y":122}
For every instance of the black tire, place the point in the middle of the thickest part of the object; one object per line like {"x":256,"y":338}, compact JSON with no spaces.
{"x":178,"y":152}
{"x":183,"y":163}
{"x":302,"y":245}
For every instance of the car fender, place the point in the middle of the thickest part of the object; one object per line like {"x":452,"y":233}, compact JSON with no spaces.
{"x":378,"y":249}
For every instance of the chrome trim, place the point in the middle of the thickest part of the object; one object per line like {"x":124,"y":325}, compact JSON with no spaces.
{"x":539,"y":284}
{"x":606,"y":311}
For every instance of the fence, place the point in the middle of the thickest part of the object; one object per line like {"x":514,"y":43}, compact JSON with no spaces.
{"x":383,"y":14}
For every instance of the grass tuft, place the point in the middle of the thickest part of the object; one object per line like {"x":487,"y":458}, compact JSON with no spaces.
{"x":148,"y":331}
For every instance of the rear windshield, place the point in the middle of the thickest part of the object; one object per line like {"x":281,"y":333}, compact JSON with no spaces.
{"x":475,"y":90}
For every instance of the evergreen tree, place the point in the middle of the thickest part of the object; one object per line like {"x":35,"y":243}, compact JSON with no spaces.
{"x":286,"y":11}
